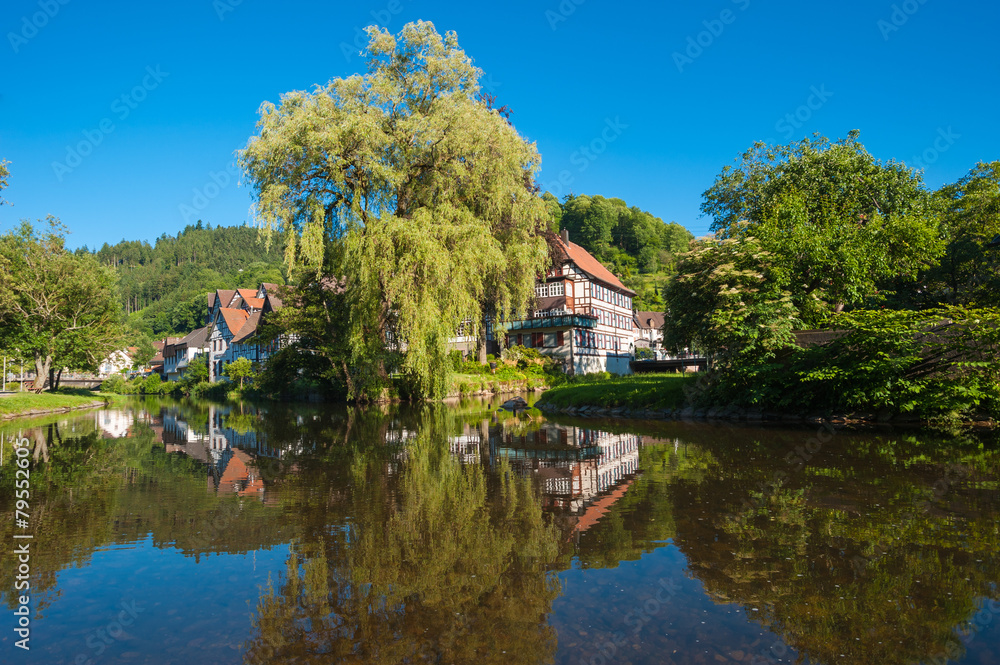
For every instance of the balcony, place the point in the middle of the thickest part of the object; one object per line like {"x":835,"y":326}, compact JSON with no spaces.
{"x":555,"y":321}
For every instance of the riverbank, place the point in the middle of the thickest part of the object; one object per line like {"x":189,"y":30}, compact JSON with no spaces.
{"x":663,"y":397}
{"x":23,"y":404}
{"x":634,"y":393}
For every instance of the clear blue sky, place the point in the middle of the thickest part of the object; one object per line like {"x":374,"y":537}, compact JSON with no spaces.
{"x":194,"y":73}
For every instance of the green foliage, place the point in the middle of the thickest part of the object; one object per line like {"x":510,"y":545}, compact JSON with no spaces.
{"x":644,"y":353}
{"x":239,"y":370}
{"x":162,"y":286}
{"x":835,"y":221}
{"x":728,"y":297}
{"x":969,"y":271}
{"x":4,"y":174}
{"x":56,"y":307}
{"x":115,"y":384}
{"x":937,"y":364}
{"x":195,"y":376}
{"x":637,"y":391}
{"x":629,"y":241}
{"x":406,"y":184}
{"x":152,"y":385}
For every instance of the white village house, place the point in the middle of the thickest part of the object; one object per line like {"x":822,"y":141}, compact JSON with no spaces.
{"x":583,"y":315}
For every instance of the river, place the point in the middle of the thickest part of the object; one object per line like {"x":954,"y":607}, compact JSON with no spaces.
{"x":186,"y":532}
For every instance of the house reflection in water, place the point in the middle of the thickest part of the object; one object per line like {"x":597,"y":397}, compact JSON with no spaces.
{"x":581,"y":472}
{"x":229,"y":455}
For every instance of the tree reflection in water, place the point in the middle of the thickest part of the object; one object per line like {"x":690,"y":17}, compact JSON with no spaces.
{"x":441,"y":561}
{"x":439,"y":534}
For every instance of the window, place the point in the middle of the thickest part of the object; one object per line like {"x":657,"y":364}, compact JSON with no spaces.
{"x":550,"y":340}
{"x":550,"y":290}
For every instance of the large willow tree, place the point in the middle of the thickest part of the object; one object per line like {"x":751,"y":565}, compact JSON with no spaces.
{"x":406,"y":184}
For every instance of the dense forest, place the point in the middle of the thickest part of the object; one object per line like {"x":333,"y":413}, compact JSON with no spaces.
{"x":163,"y":285}
{"x":636,"y":246}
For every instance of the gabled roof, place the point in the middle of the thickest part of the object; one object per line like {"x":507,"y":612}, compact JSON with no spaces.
{"x":587,"y":263}
{"x":650,"y":320}
{"x":225,"y":296}
{"x":195,"y":339}
{"x":211,"y":300}
{"x":272,"y":303}
{"x":234,"y":318}
{"x":254,"y":303}
{"x":248,"y":329}
{"x":247,"y":293}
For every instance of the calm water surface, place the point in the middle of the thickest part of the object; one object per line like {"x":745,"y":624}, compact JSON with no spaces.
{"x":181,"y":532}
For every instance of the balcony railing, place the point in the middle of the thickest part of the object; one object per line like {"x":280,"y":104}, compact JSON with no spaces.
{"x":563,"y":321}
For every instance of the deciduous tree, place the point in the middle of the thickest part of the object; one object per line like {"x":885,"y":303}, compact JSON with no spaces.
{"x":57,"y":307}
{"x":239,"y":370}
{"x":836,"y":219}
{"x":405,"y":183}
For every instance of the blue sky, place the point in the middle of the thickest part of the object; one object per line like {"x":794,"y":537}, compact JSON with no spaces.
{"x":646,"y":102}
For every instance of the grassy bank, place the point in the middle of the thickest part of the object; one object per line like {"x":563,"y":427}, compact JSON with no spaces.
{"x":70,"y":398}
{"x":638,"y":391}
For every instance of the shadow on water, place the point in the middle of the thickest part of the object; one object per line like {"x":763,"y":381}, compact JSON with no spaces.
{"x":314,"y":534}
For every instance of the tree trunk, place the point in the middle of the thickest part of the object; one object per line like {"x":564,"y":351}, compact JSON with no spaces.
{"x":58,"y":379}
{"x":481,"y":344}
{"x":41,"y":372}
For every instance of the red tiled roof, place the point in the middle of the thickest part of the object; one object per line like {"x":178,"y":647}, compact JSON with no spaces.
{"x":593,"y":514}
{"x":248,"y":329}
{"x":255,"y":303}
{"x":592,"y":266}
{"x":246,"y":294}
{"x":234,"y":318}
{"x":211,"y":300}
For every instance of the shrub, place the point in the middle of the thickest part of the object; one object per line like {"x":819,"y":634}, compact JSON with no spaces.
{"x":942,"y":363}
{"x":152,"y":385}
{"x":116,"y":384}
{"x":472,"y":367}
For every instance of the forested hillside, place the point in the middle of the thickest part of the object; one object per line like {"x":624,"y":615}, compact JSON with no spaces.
{"x":163,"y":285}
{"x":632,"y":243}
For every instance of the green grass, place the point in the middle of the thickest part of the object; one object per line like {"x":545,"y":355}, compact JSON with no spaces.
{"x":638,"y":391}
{"x":66,"y":398}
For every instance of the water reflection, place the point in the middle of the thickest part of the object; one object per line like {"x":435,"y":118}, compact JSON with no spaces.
{"x":465,"y":534}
